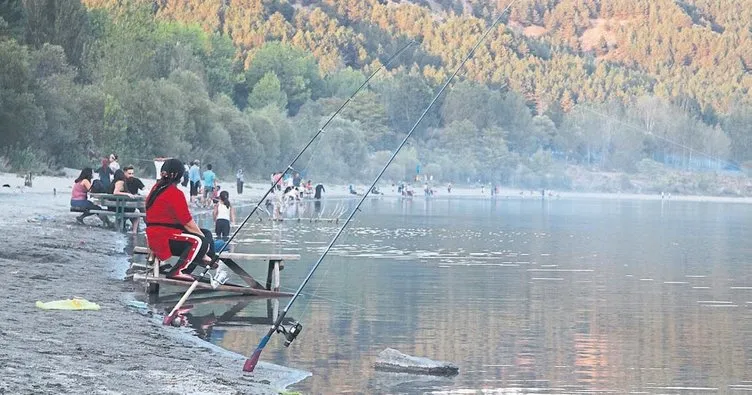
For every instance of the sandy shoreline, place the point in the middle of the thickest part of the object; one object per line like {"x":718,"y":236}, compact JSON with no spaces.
{"x":254,"y":190}
{"x":116,"y":350}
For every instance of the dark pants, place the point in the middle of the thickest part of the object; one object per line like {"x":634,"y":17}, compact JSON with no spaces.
{"x":89,"y":205}
{"x":85,"y":204}
{"x":240,"y":187}
{"x":222,"y":229}
{"x":191,"y":249}
{"x":195,"y":185}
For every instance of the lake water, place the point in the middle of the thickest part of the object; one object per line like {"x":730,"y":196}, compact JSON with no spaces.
{"x":525,"y":296}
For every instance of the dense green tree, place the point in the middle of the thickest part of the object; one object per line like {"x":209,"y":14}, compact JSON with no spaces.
{"x":268,"y":91}
{"x":297,"y":72}
{"x":61,"y":22}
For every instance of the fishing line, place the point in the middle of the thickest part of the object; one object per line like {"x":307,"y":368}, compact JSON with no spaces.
{"x":649,"y":133}
{"x":292,"y":332}
{"x":168,"y":318}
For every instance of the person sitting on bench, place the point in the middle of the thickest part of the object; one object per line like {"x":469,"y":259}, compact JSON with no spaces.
{"x":119,"y":186}
{"x":80,"y":197}
{"x":170,"y":229}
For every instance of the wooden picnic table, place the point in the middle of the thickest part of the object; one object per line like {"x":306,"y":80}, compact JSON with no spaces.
{"x":119,"y":203}
{"x":275,"y":263}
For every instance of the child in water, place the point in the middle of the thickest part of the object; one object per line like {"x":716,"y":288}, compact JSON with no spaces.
{"x":224,"y":215}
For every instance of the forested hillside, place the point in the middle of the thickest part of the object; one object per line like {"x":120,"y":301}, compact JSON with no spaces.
{"x":637,"y":87}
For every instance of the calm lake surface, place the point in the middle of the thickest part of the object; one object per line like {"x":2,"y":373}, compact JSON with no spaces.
{"x":525,"y":296}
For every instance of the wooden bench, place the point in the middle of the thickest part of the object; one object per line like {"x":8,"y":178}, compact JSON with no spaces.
{"x":119,"y":203}
{"x":151,"y":275}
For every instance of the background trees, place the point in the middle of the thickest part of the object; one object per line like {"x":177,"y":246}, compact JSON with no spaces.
{"x":601,"y":84}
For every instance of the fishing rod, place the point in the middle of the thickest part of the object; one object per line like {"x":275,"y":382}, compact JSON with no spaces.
{"x":170,"y":317}
{"x":294,"y":330}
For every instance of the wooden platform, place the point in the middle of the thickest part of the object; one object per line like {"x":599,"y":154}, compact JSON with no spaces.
{"x":149,"y":278}
{"x":119,"y":203}
{"x":149,"y":273}
{"x":240,"y":256}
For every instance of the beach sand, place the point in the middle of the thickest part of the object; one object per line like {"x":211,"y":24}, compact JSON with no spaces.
{"x":46,"y":256}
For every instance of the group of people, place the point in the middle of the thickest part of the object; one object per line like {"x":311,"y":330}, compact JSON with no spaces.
{"x":113,"y":180}
{"x":288,"y":190}
{"x":204,"y":191}
{"x":170,"y":228}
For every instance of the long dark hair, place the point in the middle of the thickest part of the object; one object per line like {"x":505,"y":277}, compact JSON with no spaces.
{"x":119,"y":176}
{"x":86,"y":174}
{"x":224,"y":196}
{"x":170,"y":173}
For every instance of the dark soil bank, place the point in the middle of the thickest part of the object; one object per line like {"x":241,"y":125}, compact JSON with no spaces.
{"x":45,"y":256}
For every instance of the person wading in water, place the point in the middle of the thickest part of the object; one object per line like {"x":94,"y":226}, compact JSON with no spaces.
{"x":170,"y":229}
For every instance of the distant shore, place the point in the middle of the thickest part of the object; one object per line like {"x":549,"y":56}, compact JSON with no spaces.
{"x":252,"y":191}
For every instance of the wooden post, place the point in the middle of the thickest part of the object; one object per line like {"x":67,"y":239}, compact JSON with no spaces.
{"x":153,"y":288}
{"x":269,"y":274}
{"x":275,"y":276}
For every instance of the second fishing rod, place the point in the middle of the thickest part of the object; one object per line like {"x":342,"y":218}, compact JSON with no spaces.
{"x":291,"y":333}
{"x":171,"y":316}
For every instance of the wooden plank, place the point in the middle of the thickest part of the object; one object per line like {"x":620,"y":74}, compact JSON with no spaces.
{"x":125,"y":215}
{"x":201,"y":285}
{"x":239,"y":256}
{"x":116,"y":197}
{"x":262,"y":257}
{"x":114,"y":203}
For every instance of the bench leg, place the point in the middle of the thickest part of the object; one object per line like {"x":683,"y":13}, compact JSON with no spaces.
{"x":272,"y":276}
{"x":153,"y":288}
{"x":269,"y":274}
{"x":275,"y":277}
{"x":272,"y":309}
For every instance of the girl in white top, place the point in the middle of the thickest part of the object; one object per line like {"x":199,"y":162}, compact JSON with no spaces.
{"x":224,"y":215}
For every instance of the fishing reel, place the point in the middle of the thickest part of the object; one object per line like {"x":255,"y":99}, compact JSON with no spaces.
{"x":290,"y":333}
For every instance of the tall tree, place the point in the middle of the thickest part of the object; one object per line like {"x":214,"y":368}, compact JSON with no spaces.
{"x":297,"y":72}
{"x":61,"y":22}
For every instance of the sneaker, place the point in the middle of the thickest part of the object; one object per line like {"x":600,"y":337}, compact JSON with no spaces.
{"x":218,"y":279}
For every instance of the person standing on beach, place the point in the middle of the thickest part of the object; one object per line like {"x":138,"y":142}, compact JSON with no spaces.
{"x":224,"y":215}
{"x":209,"y":177}
{"x":240,"y":181}
{"x":319,"y":190}
{"x":296,"y":179}
{"x":104,"y":174}
{"x":170,"y":229}
{"x":194,"y":177}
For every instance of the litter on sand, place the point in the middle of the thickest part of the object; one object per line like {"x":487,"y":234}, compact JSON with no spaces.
{"x":68,"y":304}
{"x":392,"y":360}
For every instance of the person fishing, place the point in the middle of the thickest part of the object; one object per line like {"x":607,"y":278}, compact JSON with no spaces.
{"x":170,"y":229}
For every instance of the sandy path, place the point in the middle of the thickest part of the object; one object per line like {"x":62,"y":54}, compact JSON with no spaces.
{"x":46,"y":256}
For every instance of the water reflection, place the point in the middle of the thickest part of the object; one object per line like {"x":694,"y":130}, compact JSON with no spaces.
{"x":525,"y":296}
